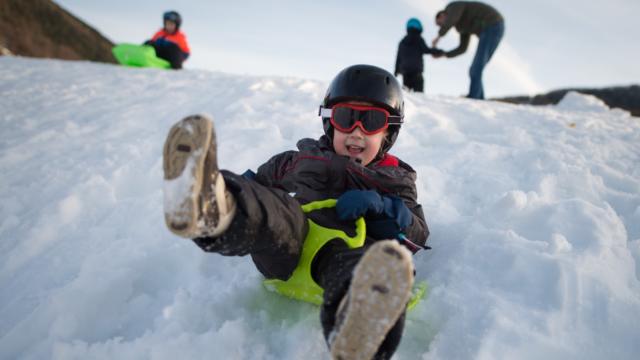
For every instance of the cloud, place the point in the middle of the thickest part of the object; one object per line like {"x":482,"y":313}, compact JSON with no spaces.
{"x":427,"y":8}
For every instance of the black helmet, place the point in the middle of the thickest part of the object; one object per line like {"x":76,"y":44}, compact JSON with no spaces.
{"x":173,"y":16}
{"x":370,"y":84}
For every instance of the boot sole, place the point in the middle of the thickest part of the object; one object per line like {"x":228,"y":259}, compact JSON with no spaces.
{"x":378,"y":295}
{"x":184,"y":154}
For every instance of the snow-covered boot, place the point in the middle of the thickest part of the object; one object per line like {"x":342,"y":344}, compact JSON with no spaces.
{"x":378,"y":295}
{"x":196,"y":202}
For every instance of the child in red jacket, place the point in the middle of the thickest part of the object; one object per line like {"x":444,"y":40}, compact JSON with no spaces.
{"x":366,"y":287}
{"x":169,"y":42}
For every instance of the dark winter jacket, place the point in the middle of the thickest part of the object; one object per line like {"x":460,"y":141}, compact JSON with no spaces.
{"x":409,"y":58}
{"x":468,"y":17}
{"x":316,"y":172}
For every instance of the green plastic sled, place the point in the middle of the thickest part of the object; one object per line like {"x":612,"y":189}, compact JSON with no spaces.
{"x":300,"y":285}
{"x":138,"y":56}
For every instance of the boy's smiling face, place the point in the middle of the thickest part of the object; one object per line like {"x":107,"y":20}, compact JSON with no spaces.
{"x":357,"y":144}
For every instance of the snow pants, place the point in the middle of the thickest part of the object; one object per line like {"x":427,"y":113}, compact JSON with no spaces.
{"x":169,"y":51}
{"x":270,"y":226}
{"x":413,"y":81}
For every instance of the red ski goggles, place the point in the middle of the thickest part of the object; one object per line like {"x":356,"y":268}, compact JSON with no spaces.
{"x":371,"y":119}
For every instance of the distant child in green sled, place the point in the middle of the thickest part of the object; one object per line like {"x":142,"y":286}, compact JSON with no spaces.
{"x":169,"y":42}
{"x":366,"y":288}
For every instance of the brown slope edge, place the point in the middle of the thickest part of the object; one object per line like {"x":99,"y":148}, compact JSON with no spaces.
{"x":41,"y":28}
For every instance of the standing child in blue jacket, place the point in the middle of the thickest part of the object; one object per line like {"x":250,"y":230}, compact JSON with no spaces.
{"x":409,"y":60}
{"x":366,"y":287}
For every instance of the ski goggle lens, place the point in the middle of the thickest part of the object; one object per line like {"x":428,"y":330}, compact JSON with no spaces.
{"x":370,"y":119}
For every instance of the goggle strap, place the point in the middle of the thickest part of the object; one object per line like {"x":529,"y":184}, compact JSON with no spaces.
{"x":395,"y":120}
{"x":325,"y":113}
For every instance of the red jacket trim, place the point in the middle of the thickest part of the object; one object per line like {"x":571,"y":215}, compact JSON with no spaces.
{"x":388,"y":160}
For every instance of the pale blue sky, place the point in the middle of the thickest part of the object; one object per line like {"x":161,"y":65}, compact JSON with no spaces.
{"x":548,"y":44}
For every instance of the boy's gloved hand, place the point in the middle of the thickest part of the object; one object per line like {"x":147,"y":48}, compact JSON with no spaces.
{"x":386,"y":215}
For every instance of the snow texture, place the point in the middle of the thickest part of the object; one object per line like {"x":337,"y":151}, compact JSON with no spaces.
{"x":534,"y":213}
{"x":175,"y":191}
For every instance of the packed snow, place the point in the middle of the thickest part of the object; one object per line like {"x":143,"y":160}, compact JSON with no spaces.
{"x":534,"y":214}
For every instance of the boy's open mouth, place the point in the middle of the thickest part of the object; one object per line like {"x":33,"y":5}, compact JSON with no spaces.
{"x":354,"y":149}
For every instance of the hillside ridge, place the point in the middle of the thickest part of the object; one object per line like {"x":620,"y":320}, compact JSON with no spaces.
{"x":42,"y":28}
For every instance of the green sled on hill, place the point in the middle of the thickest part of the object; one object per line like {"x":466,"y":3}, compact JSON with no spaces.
{"x":138,"y":56}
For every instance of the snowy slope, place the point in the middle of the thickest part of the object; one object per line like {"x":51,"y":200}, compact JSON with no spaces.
{"x":534,"y":212}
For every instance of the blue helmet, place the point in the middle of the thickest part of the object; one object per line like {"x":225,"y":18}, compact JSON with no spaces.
{"x":414,"y":23}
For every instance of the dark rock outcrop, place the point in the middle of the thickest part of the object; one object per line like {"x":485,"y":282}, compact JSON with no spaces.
{"x":623,"y":97}
{"x":41,"y":28}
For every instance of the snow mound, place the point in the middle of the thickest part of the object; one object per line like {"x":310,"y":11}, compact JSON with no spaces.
{"x":534,"y":215}
{"x":575,"y":101}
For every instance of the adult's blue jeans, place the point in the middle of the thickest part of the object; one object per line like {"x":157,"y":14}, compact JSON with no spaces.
{"x":489,"y":40}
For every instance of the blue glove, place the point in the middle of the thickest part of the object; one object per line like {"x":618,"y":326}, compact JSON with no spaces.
{"x":249,"y":174}
{"x":160,"y":42}
{"x":386,"y":216}
{"x":356,"y":203}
